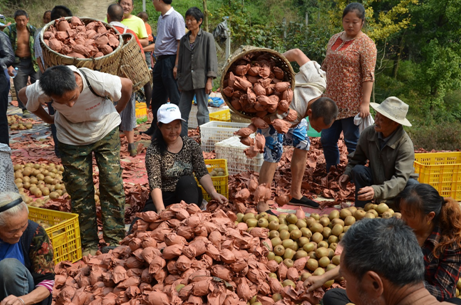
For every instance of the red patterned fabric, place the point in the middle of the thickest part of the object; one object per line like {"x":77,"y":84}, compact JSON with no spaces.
{"x":348,"y":64}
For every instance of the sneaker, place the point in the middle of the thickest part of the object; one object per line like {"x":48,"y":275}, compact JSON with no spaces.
{"x":26,"y":113}
{"x":132,"y":149}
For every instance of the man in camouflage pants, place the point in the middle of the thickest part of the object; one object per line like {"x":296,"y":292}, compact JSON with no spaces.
{"x":86,"y":124}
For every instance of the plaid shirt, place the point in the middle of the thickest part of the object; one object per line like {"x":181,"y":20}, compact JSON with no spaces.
{"x":12,"y":33}
{"x":442,"y":273}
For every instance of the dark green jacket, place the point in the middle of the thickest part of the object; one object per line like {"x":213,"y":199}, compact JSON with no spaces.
{"x":12,"y":34}
{"x":391,"y":166}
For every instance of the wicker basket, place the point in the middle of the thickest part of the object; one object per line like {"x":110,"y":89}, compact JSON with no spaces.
{"x":107,"y":64}
{"x":280,"y":60}
{"x":132,"y":64}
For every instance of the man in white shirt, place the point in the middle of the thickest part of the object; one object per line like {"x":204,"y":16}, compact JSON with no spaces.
{"x":86,"y":123}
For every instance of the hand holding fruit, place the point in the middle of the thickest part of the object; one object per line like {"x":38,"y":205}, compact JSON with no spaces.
{"x":313,"y":282}
{"x":218,"y":197}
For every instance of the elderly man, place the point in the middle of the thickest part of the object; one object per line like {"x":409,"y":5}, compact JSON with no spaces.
{"x":87,"y":123}
{"x":307,"y":102}
{"x":382,"y":264}
{"x":26,"y":255}
{"x":21,"y":35}
{"x":390,"y":152}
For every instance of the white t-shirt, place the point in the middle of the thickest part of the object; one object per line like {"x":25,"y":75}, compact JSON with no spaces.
{"x":92,"y":117}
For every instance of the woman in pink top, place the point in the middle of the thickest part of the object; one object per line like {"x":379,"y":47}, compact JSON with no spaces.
{"x":350,"y":65}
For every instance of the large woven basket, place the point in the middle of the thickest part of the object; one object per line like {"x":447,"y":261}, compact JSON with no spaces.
{"x":132,"y":64}
{"x":107,"y":64}
{"x":280,"y":61}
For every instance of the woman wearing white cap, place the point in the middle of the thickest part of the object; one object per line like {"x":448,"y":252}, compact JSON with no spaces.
{"x":171,"y":161}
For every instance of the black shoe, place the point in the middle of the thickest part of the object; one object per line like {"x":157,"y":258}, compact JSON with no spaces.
{"x":304,"y":201}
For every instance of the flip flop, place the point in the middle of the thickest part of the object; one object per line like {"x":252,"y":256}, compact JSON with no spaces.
{"x":271,"y":213}
{"x":304,"y":201}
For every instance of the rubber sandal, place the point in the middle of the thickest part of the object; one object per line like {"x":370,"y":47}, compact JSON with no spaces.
{"x":304,"y":201}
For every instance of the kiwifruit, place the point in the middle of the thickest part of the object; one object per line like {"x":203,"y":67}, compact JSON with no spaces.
{"x":312,"y":264}
{"x":324,"y":221}
{"x":300,"y":254}
{"x":328,"y":284}
{"x":333,"y":214}
{"x":262,"y":222}
{"x":326,"y":232}
{"x":349,"y":221}
{"x":359,"y":214}
{"x":324,"y":261}
{"x":381,"y":208}
{"x":370,"y":215}
{"x":284,"y":235}
{"x":301,"y":223}
{"x":332,"y":239}
{"x":337,"y":221}
{"x":337,"y":229}
{"x":315,"y":216}
{"x":397,"y":215}
{"x":248,"y":216}
{"x":310,"y":247}
{"x":251,"y":222}
{"x":289,"y":254}
{"x":273,"y":225}
{"x":321,"y":252}
{"x":333,"y":246}
{"x":344,"y":213}
{"x":262,"y":215}
{"x":288,"y":262}
{"x":287,"y":243}
{"x":283,"y":227}
{"x":319,"y":271}
{"x":306,"y":232}
{"x":330,"y":267}
{"x":302,"y":241}
{"x":278,"y":259}
{"x":317,"y":237}
{"x":305,"y":276}
{"x":292,"y":227}
{"x":274,"y":234}
{"x":279,"y":250}
{"x":288,"y":283}
{"x":295,"y":234}
{"x":310,"y":221}
{"x":292,"y":219}
{"x":276,"y":297}
{"x":322,"y":244}
{"x":316,"y":227}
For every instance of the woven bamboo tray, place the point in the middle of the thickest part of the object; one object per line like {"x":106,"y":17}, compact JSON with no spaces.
{"x":132,"y":65}
{"x":280,"y":61}
{"x":107,"y":64}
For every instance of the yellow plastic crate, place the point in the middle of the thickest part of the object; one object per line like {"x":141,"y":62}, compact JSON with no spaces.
{"x":140,"y":105}
{"x":442,"y":171}
{"x":141,"y":113}
{"x":221,"y":116}
{"x":220,"y":183}
{"x":64,"y":233}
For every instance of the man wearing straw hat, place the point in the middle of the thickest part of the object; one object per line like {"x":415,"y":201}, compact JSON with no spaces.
{"x":390,"y":153}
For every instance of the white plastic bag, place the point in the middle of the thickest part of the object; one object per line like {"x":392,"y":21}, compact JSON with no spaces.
{"x":363,"y":123}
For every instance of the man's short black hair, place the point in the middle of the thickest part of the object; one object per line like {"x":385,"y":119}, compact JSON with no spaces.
{"x":167,"y":1}
{"x":20,"y":13}
{"x":386,"y":246}
{"x":46,"y":12}
{"x":324,"y":108}
{"x":115,"y":12}
{"x":60,"y":11}
{"x":58,"y":80}
{"x":132,"y":2}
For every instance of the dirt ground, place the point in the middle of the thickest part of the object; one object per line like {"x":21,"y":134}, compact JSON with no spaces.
{"x":94,"y":9}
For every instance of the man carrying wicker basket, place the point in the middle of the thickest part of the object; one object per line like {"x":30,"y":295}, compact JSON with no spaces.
{"x":87,"y":122}
{"x":307,"y":102}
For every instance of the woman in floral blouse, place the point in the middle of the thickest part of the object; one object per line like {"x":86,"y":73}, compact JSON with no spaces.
{"x":26,"y":255}
{"x":350,"y":65}
{"x":171,"y":161}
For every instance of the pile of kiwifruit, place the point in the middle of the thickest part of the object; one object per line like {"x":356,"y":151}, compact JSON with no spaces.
{"x":43,"y":181}
{"x":17,"y":123}
{"x":315,"y":237}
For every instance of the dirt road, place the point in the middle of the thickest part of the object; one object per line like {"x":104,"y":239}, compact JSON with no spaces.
{"x":94,"y":8}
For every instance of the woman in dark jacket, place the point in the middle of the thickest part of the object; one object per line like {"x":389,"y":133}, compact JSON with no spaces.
{"x":196,"y":67}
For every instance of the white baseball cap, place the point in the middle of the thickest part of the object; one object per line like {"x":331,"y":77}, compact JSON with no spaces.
{"x":168,"y":113}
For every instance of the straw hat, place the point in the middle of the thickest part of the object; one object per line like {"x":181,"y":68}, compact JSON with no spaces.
{"x":394,"y":109}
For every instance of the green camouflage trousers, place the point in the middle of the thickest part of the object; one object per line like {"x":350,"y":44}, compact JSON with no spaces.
{"x":78,"y":179}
